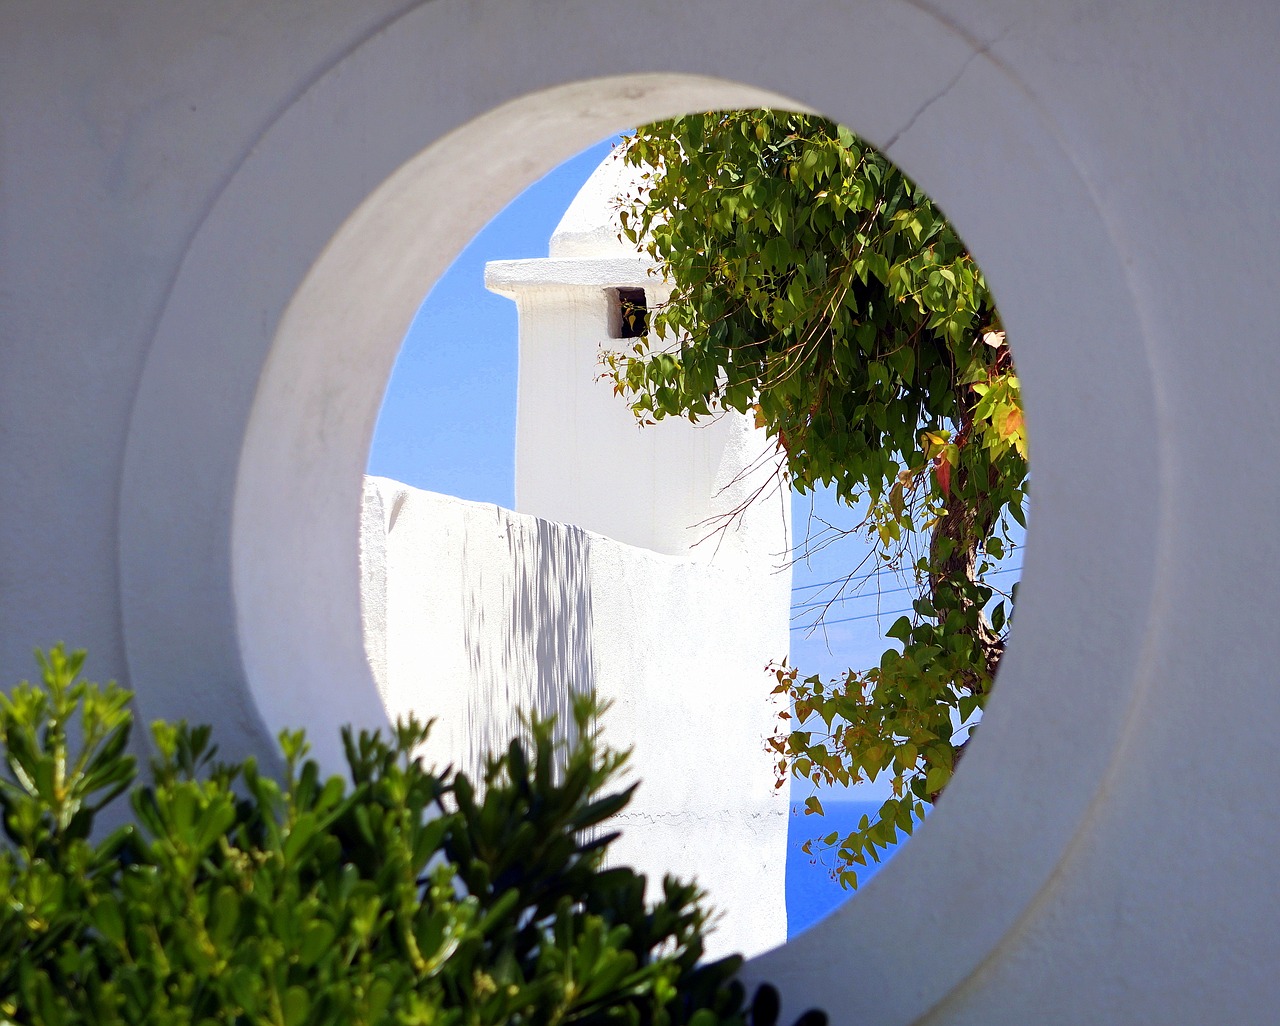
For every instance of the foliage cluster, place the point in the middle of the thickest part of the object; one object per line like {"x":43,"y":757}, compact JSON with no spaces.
{"x":815,"y":288}
{"x":404,"y":896}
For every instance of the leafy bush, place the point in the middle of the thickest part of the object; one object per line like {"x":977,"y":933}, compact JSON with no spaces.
{"x":405,"y":896}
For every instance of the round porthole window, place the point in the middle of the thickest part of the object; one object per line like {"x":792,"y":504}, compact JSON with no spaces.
{"x":861,"y":359}
{"x":241,"y":595}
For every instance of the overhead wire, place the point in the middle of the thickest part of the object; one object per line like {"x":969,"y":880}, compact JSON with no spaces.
{"x":878,"y":592}
{"x":847,"y":619}
{"x":866,"y":616}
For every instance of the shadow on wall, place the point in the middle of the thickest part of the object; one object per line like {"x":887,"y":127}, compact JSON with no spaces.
{"x":484,"y":611}
{"x":528,"y":635}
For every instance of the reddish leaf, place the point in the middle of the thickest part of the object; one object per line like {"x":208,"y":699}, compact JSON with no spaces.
{"x":942,"y":471}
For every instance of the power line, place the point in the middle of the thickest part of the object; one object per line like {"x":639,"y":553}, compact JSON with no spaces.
{"x":878,"y":593}
{"x":847,"y":619}
{"x":850,"y":598}
{"x":841,"y":580}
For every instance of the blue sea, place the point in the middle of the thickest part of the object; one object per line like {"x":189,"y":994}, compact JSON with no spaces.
{"x":811,"y":891}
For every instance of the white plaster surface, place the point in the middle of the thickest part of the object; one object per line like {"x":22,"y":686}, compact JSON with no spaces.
{"x":581,"y":457}
{"x":487,"y":611}
{"x":217,"y":220}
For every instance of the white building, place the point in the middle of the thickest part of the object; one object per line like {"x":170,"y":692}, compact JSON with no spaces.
{"x":624,"y":570}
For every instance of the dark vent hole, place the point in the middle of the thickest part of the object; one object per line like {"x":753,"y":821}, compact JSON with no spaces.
{"x":629,"y":317}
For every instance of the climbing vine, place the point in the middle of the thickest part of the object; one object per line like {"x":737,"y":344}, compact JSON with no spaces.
{"x":816,"y":289}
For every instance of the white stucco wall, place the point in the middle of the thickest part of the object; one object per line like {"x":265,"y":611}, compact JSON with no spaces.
{"x":488,"y":611}
{"x":216,"y":222}
{"x":581,"y":457}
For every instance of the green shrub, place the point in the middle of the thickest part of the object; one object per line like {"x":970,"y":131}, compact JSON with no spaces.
{"x":405,"y":895}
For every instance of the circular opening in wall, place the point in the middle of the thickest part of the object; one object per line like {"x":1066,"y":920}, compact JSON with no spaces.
{"x":762,"y":267}
{"x":250,"y":570}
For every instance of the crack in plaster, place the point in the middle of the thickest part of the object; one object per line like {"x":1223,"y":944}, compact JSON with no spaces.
{"x":979,"y":50}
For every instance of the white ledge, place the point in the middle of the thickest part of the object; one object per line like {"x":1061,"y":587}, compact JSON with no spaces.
{"x":509,"y":277}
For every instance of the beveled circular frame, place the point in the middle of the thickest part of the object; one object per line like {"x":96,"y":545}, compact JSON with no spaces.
{"x":270,"y":361}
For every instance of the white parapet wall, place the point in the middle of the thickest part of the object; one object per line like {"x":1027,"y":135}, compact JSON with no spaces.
{"x":474,"y":611}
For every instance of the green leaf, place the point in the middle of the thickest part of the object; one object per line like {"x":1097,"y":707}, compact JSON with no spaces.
{"x":900,"y":630}
{"x":295,"y":1005}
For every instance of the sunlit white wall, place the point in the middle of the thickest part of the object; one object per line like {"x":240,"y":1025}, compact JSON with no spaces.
{"x":634,"y":579}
